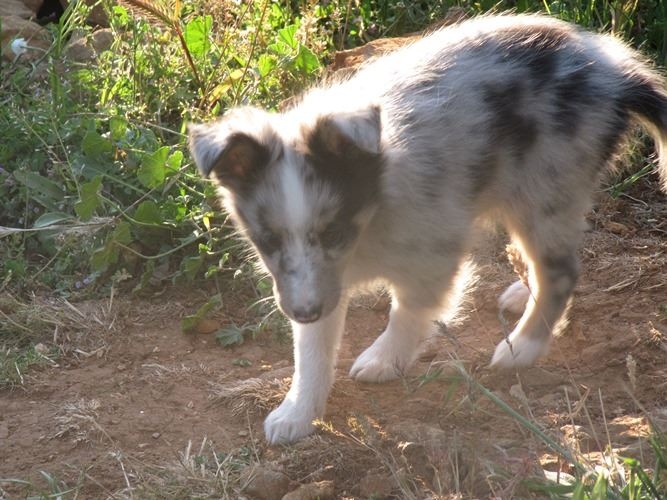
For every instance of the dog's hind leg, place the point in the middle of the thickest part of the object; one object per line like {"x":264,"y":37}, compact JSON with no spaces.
{"x":549,"y":247}
{"x":395,"y":350}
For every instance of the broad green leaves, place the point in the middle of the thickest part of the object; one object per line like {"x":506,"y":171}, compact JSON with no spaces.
{"x":197,"y":35}
{"x":43,"y":190}
{"x":90,"y":199}
{"x":95,"y":145}
{"x":155,"y":167}
{"x":292,"y":52}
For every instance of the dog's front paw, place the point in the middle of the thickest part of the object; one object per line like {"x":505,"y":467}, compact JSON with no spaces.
{"x":518,"y":352}
{"x":374,"y":365}
{"x":288,"y":423}
{"x":514,"y":298}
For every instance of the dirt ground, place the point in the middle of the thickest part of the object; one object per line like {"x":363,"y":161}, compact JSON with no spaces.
{"x":139,"y":412}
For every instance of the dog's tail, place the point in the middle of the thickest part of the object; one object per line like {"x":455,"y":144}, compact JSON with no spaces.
{"x":644,"y":95}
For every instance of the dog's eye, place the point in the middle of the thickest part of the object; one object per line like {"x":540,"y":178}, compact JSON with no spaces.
{"x":332,"y":236}
{"x":269,"y":242}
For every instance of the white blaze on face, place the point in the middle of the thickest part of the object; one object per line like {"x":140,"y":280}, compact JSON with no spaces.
{"x":294,"y":197}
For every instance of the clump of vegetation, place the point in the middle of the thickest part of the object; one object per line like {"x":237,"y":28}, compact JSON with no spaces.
{"x":95,"y":175}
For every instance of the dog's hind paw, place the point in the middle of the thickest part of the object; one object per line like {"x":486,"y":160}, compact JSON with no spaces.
{"x":288,"y":423}
{"x":514,"y":298}
{"x":518,"y":352}
{"x":373,"y":366}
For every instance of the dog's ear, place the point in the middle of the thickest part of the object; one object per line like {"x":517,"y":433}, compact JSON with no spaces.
{"x":230,"y":151}
{"x":348,"y":134}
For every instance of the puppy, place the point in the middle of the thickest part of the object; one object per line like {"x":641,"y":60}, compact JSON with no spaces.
{"x":382,"y":175}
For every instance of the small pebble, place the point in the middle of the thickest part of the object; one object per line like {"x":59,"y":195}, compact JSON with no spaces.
{"x":41,"y":348}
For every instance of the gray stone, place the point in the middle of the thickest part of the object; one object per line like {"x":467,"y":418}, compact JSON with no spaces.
{"x":322,"y":490}
{"x":264,"y":483}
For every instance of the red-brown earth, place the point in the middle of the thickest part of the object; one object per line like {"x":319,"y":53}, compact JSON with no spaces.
{"x":136,"y":410}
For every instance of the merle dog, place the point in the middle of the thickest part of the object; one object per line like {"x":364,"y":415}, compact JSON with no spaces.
{"x":380,"y":176}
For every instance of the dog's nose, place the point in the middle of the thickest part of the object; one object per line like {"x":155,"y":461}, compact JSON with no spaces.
{"x":307,"y":314}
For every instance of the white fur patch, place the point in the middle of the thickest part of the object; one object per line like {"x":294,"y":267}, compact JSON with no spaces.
{"x":518,"y":351}
{"x":514,"y":298}
{"x":294,"y":196}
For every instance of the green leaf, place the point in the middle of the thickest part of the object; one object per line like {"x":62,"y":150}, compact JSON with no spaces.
{"x":197,"y":36}
{"x":94,"y":144}
{"x":50,"y":218}
{"x":306,"y":60}
{"x":122,"y":233}
{"x":33,"y":180}
{"x":117,"y":127}
{"x":265,"y":64}
{"x":152,"y":171}
{"x":107,"y":255}
{"x":190,"y":266}
{"x":90,"y":198}
{"x":231,"y":335}
{"x":174,"y":162}
{"x":600,"y":488}
{"x":189,"y":322}
{"x":103,"y":257}
{"x":579,"y":492}
{"x":287,"y":36}
{"x":148,"y":212}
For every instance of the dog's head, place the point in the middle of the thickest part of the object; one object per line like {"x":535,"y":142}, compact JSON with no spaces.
{"x":302,"y":191}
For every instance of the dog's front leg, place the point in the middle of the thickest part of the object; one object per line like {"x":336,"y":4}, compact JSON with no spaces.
{"x":315,"y":351}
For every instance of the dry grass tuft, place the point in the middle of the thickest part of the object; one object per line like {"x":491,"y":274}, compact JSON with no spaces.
{"x":73,"y":328}
{"x":78,"y":420}
{"x":251,"y":396}
{"x":197,"y":472}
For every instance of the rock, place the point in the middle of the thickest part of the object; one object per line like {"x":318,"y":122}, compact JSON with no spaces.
{"x":14,"y":8}
{"x":429,"y":452}
{"x":32,"y":5}
{"x":23,"y":39}
{"x":41,"y":349}
{"x":550,"y":400}
{"x":79,"y":51}
{"x":206,"y":326}
{"x":321,"y":490}
{"x":376,"y":485}
{"x":559,"y":477}
{"x":577,"y":439}
{"x":516,"y":391}
{"x":4,"y":431}
{"x":264,"y":483}
{"x":616,"y":227}
{"x":97,"y":15}
{"x":102,"y":40}
{"x":349,"y":60}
